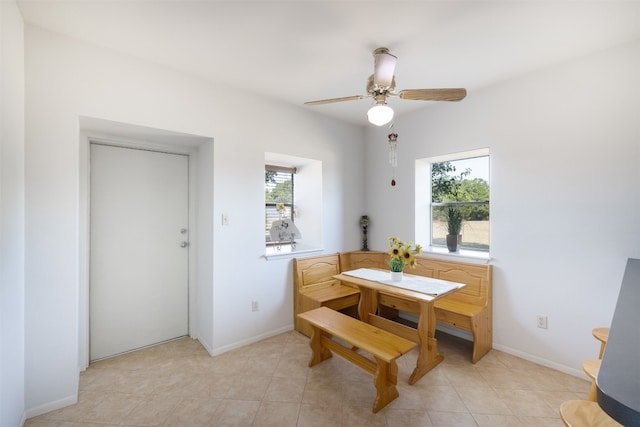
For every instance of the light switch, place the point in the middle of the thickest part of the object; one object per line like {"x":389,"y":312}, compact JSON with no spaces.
{"x":225,"y":219}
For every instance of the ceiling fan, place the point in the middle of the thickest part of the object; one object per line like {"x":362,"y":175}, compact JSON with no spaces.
{"x":382,"y":83}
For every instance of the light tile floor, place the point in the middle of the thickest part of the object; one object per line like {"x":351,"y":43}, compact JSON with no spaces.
{"x":269,"y":384}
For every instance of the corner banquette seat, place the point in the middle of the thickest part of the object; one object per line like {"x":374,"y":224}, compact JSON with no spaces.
{"x":314,"y":286}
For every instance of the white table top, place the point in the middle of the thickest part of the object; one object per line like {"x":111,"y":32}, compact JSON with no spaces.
{"x":421,"y":284}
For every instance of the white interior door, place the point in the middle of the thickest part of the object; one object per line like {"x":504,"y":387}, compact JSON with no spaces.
{"x":138,"y":292}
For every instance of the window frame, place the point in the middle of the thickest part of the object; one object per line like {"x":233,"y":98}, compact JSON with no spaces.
{"x":308,"y":206}
{"x":287,"y":170}
{"x":424,"y":204}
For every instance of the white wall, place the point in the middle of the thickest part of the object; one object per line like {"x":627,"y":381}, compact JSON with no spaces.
{"x":12,"y":226}
{"x":66,"y":79}
{"x":565,"y":171}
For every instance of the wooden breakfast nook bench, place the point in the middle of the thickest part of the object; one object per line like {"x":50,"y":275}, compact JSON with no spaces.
{"x":315,"y":287}
{"x":384,"y":346}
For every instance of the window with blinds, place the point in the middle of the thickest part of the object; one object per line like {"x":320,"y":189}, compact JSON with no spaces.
{"x":278,"y":195}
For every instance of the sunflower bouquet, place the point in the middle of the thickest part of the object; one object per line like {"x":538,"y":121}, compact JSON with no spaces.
{"x":402,"y":253}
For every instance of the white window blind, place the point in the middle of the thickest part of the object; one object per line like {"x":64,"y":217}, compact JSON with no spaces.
{"x":278,"y":191}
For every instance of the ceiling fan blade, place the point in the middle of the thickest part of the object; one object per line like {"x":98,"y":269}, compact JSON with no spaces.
{"x":433,"y":94}
{"x":331,"y":100}
{"x":384,"y":67}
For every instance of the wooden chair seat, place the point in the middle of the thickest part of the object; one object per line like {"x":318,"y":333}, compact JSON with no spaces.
{"x":314,"y":286}
{"x":335,"y":290}
{"x":464,"y":308}
{"x":584,"y":413}
{"x":591,"y":368}
{"x":470,"y":308}
{"x":602,"y":335}
{"x":470,"y":317}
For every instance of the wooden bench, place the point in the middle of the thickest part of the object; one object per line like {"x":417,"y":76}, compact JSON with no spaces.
{"x":469,"y":309}
{"x":314,"y":286}
{"x":383,"y":346}
{"x":363,"y":259}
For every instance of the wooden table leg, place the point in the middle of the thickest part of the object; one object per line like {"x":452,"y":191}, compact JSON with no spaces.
{"x":428,"y":356}
{"x":368,"y":303}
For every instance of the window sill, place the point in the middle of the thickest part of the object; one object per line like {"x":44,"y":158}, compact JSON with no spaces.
{"x":286,"y":252}
{"x":464,"y":255}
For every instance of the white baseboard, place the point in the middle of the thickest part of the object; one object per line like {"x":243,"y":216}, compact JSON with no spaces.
{"x":522,"y":355}
{"x":450,"y":330}
{"x":526,"y":356}
{"x":51,"y":406}
{"x":541,"y":361}
{"x":238,"y":344}
{"x":206,"y":345}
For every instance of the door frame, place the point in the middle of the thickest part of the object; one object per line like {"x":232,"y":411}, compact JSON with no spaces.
{"x":161,"y":145}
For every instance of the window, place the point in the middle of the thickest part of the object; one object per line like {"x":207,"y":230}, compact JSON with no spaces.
{"x":278,"y":195}
{"x":459,"y":182}
{"x":293,"y":184}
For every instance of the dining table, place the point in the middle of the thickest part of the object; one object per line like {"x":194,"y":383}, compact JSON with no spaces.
{"x":413,"y":294}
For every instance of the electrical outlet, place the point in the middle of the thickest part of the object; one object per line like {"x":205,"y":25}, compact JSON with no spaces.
{"x":541,"y":321}
{"x":254,"y":305}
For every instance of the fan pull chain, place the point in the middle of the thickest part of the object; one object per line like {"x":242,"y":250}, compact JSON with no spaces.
{"x":393,"y":155}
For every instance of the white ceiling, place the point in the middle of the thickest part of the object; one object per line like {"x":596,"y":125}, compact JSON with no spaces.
{"x":307,"y":50}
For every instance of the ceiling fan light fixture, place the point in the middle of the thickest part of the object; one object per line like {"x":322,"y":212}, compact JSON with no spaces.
{"x":382,"y":84}
{"x":380,"y":114}
{"x":384,"y":67}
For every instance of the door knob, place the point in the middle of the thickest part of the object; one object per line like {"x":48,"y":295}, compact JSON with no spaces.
{"x":184,"y":244}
